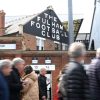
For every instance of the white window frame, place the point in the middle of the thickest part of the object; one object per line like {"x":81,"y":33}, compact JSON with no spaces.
{"x":41,"y":42}
{"x":64,"y":46}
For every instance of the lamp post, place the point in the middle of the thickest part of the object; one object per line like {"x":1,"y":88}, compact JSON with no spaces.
{"x":70,"y":22}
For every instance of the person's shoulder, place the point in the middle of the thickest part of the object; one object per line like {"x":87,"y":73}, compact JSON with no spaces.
{"x":98,"y":61}
{"x":75,"y":67}
{"x":2,"y":80}
{"x":28,"y":80}
{"x":12,"y":74}
{"x":95,"y":63}
{"x":39,"y":76}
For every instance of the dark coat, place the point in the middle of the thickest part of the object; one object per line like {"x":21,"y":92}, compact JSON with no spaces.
{"x":94,"y":79}
{"x":15,"y":85}
{"x":74,"y":83}
{"x":4,"y":93}
{"x":42,"y":86}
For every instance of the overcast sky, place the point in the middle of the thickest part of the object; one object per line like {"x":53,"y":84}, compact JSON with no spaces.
{"x":81,"y":8}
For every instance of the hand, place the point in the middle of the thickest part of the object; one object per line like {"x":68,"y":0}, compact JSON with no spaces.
{"x":23,"y":86}
{"x":43,"y":97}
{"x":25,"y":82}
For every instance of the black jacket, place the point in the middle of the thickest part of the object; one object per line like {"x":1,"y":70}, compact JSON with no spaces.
{"x":74,"y":83}
{"x":94,"y":79}
{"x":42,"y":86}
{"x":14,"y":84}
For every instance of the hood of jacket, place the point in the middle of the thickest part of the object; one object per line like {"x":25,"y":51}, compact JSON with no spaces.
{"x":32,"y":76}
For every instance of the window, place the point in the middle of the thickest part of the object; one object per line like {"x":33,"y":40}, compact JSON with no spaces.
{"x":92,"y":45}
{"x":40,"y":43}
{"x":57,"y":45}
{"x":64,"y":46}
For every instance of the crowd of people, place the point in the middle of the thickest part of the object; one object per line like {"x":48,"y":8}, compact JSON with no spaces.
{"x":20,"y":82}
{"x":77,"y":83}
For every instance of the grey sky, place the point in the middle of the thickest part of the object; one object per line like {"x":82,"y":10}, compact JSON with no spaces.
{"x":81,"y":8}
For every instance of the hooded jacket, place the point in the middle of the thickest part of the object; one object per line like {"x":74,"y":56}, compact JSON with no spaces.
{"x":30,"y":91}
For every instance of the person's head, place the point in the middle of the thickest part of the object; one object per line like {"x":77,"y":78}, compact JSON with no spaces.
{"x":19,"y":63}
{"x":43,"y":71}
{"x":98,"y":53}
{"x":6,"y":67}
{"x":77,"y":51}
{"x":28,"y":69}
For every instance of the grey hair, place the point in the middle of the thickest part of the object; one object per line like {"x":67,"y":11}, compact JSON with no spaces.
{"x":76,"y":49}
{"x":5,"y":62}
{"x":17,"y":60}
{"x":98,"y":53}
{"x":42,"y":69}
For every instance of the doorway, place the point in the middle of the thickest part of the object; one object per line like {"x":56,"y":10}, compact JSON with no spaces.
{"x":49,"y":84}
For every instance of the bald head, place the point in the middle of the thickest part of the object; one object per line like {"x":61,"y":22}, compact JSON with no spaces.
{"x":43,"y":71}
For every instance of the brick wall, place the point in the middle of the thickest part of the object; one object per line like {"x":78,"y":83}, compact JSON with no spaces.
{"x":13,"y":40}
{"x":2,"y":22}
{"x":59,"y":58}
{"x":29,"y":41}
{"x":49,"y":45}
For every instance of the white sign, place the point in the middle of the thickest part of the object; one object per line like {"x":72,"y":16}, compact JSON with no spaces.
{"x":48,"y":67}
{"x":34,"y":61}
{"x":7,"y":46}
{"x":47,"y":61}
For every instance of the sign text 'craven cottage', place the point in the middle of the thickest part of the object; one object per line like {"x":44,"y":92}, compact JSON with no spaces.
{"x":47,"y":25}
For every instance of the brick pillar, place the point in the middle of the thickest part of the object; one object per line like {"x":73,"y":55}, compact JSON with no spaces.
{"x":18,"y":55}
{"x":2,"y":22}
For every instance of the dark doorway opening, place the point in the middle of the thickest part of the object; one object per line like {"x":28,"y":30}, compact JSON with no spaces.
{"x":49,"y":84}
{"x":92,"y":45}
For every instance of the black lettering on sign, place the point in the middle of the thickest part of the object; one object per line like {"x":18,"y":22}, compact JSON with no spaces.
{"x":47,"y":67}
{"x":36,"y":67}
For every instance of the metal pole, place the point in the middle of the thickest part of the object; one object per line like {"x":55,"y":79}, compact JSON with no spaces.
{"x":90,"y":40}
{"x":70,"y":22}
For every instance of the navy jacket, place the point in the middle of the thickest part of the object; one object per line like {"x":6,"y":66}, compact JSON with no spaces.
{"x":94,"y":79}
{"x":4,"y":93}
